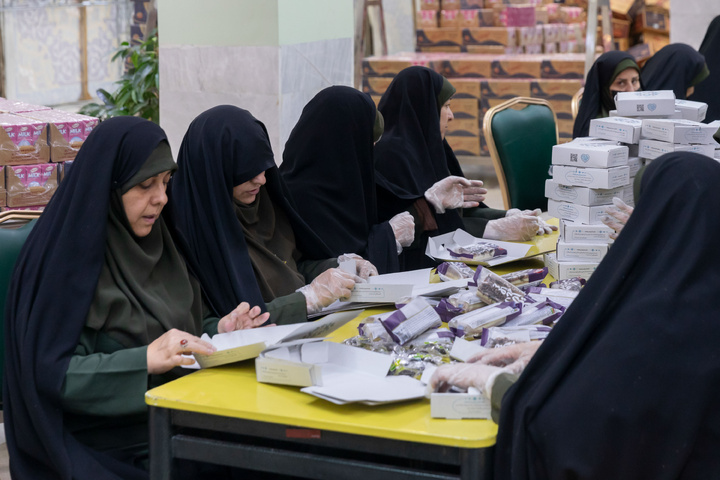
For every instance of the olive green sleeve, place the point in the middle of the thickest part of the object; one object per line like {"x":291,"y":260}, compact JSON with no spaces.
{"x":312,"y":268}
{"x":502,"y":384}
{"x":107,"y":384}
{"x":288,"y":309}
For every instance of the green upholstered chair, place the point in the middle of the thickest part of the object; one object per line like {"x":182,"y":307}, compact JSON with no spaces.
{"x":11,"y":241}
{"x":520,"y":134}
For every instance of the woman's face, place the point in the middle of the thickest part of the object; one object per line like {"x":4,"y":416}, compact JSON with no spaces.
{"x":446,"y":116}
{"x":627,"y":81}
{"x":144,"y":202}
{"x":247,"y":192}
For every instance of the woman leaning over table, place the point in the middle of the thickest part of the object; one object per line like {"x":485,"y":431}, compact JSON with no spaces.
{"x":611,"y":73}
{"x":417,"y":171}
{"x":677,"y":67}
{"x":627,"y":384}
{"x":101,"y":307}
{"x":238,"y":229}
{"x":329,"y":169}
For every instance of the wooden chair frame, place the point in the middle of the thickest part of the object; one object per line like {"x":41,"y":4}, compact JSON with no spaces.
{"x":487,"y":131}
{"x":575,"y":102}
{"x":24,"y":216}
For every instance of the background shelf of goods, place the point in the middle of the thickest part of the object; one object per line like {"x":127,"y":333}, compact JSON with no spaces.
{"x":37,"y":147}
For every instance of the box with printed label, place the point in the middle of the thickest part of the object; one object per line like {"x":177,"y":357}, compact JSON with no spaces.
{"x":503,"y":88}
{"x":430,"y":4}
{"x":450,"y":18}
{"x":460,"y":405}
{"x":466,"y":88}
{"x":622,"y":129}
{"x":464,"y":145}
{"x":571,"y":66}
{"x":575,"y":212}
{"x":562,"y":270}
{"x":689,"y":110}
{"x":677,"y":114}
{"x":466,"y":66}
{"x":386,"y":66}
{"x":678,"y":131}
{"x":471,"y":4}
{"x":66,"y":132}
{"x":555,"y":89}
{"x":450,"y":5}
{"x":639,"y":104}
{"x":516,"y":67}
{"x":581,"y":195}
{"x":502,"y":36}
{"x":652,"y":149}
{"x":30,"y":184}
{"x":576,"y":232}
{"x":22,"y":140}
{"x":483,"y":17}
{"x":635,"y":164}
{"x":591,"y":177}
{"x":470,"y":125}
{"x":3,"y":198}
{"x":584,"y":252}
{"x":426,"y":19}
{"x":590,"y":154}
{"x":375,"y":85}
{"x":439,"y":37}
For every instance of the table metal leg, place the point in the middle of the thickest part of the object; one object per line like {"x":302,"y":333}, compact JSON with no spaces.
{"x":161,"y":455}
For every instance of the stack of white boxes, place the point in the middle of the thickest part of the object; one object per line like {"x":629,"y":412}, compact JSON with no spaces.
{"x":588,"y":172}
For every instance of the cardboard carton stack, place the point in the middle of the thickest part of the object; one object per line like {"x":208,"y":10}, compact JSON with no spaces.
{"x":483,"y":81}
{"x":496,"y":27}
{"x":37,"y":144}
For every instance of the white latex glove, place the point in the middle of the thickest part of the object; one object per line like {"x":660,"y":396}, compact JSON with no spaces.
{"x":519,"y":228}
{"x":403,"y":226}
{"x":544,"y":227}
{"x":464,"y":375}
{"x":616,"y":217}
{"x":331,"y":285}
{"x":513,"y":358}
{"x":363,"y":268}
{"x":455,"y":192}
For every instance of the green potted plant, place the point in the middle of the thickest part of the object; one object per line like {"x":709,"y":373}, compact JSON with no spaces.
{"x":138,"y":88}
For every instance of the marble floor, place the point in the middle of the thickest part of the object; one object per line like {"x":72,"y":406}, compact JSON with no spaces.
{"x":474,"y":167}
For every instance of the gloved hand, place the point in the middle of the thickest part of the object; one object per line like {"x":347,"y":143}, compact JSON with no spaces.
{"x":333,"y":284}
{"x":455,"y":192}
{"x":616,"y":217}
{"x":403,"y":226}
{"x":545,"y":227}
{"x":363,"y":268}
{"x":464,"y":375}
{"x":520,"y":228}
{"x":513,"y":358}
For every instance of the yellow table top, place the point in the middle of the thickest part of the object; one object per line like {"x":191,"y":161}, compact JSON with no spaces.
{"x":233,"y":391}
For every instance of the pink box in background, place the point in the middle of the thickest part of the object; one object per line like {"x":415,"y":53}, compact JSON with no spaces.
{"x":67,"y":132}
{"x":518,"y":16}
{"x":12,"y":106}
{"x":22,"y":140}
{"x":28,"y":185}
{"x":3,"y":197}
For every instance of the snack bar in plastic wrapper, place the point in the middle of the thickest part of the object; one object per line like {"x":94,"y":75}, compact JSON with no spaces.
{"x":529,"y":277}
{"x":495,"y":337}
{"x":492,"y":288}
{"x":473,"y":323}
{"x":449,"y":271}
{"x":413,"y":319}
{"x":546,"y":312}
{"x":467,"y":300}
{"x":557,"y":295}
{"x":574,"y":284}
{"x":477,"y":252}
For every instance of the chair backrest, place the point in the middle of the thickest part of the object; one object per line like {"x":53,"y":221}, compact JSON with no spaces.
{"x":11,"y":242}
{"x":575,"y":102}
{"x":520,"y":144}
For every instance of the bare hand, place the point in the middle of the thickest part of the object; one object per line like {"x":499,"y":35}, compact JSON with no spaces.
{"x":242,"y":318}
{"x":166,"y":352}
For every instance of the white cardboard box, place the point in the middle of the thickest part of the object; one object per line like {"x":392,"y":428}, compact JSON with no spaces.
{"x":575,"y":232}
{"x":678,"y":131}
{"x":676,"y":114}
{"x":562,"y":270}
{"x":576,"y":213}
{"x":626,"y":130}
{"x":460,"y":405}
{"x":589,"y":154}
{"x":635,"y":164}
{"x":581,"y":195}
{"x":591,"y":177}
{"x":651,"y":149}
{"x":583,"y":252}
{"x":695,"y":111}
{"x":638,"y":104}
{"x":318,"y":363}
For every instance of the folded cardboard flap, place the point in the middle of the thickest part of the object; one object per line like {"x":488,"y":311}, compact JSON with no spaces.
{"x":244,"y":344}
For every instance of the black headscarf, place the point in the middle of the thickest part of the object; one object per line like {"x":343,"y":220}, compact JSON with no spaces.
{"x":328,"y":168}
{"x":224,"y":147}
{"x":627,"y":385}
{"x":53,"y":286}
{"x":708,"y":91}
{"x":675,"y":67}
{"x":411,"y":156}
{"x":597,"y":100}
